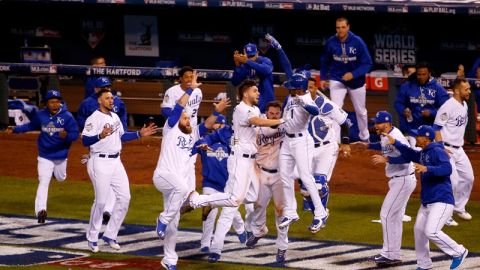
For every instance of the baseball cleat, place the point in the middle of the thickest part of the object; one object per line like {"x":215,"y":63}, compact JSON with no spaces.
{"x":457,"y":261}
{"x":111,"y":242}
{"x":42,"y":215}
{"x":249,"y":234}
{"x":381,"y":260}
{"x":93,"y":246}
{"x":280,"y":258}
{"x":420,"y":268}
{"x":451,"y":222}
{"x":161,"y":229}
{"x":464,"y":215}
{"x":317,"y":225}
{"x":204,"y":249}
{"x":286,"y":221}
{"x":213,"y":257}
{"x":168,"y":266}
{"x":252,"y":241}
{"x":106,"y":217}
{"x":242,"y":237}
{"x":186,"y":206}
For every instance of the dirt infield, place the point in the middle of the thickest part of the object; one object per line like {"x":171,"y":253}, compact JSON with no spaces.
{"x":355,"y":175}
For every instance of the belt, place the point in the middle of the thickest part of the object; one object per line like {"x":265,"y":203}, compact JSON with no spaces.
{"x":268,"y":170}
{"x":449,"y":145}
{"x":396,"y":176}
{"x":322,"y":143}
{"x":109,"y":156}
{"x":247,"y":155}
{"x":294,"y":135}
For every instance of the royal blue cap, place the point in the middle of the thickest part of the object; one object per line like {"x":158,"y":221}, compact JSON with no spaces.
{"x":383,"y":117}
{"x":426,"y":131}
{"x":102,"y":82}
{"x":53,"y":94}
{"x":250,"y":49}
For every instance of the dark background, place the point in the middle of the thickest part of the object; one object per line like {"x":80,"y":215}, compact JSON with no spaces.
{"x":429,"y":30}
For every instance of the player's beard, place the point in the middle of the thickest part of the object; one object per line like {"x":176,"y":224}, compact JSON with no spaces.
{"x":185,"y":129}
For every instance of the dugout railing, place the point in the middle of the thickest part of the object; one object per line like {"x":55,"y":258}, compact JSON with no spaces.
{"x":142,"y":88}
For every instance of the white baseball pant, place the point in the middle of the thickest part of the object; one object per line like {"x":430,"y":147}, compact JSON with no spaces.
{"x":391,"y":214}
{"x":110,"y":203}
{"x":209,"y":224}
{"x":462,"y":177}
{"x":175,"y":189}
{"x":298,"y":151}
{"x":324,"y":159}
{"x":358,"y":97}
{"x":107,"y":173}
{"x":271,"y":186}
{"x":45,"y":170}
{"x":428,"y":226}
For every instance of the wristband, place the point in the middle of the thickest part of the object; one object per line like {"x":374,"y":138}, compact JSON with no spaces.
{"x":217,"y":114}
{"x":189,"y":91}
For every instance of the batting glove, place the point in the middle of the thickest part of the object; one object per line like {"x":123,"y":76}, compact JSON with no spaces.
{"x":273,"y":42}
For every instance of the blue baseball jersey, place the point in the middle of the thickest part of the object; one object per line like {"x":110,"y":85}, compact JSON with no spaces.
{"x":261,"y":69}
{"x":418,"y":98}
{"x":90,"y":104}
{"x":50,"y":145}
{"x":339,"y":58}
{"x":214,"y":163}
{"x":436,"y":184}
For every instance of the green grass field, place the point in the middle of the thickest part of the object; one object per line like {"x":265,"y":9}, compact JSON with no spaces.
{"x":349,"y":221}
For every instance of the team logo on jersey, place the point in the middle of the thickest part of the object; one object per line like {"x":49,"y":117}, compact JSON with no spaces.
{"x":461,"y":120}
{"x":444,"y":117}
{"x":183,"y":143}
{"x":166,"y":98}
{"x":60,"y":121}
{"x":352,"y":50}
{"x":51,"y":129}
{"x":88,"y":127}
{"x":270,"y":139}
{"x":114,"y":109}
{"x":219,"y":154}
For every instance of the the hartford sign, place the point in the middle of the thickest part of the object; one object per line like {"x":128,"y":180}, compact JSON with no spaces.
{"x":62,"y":242}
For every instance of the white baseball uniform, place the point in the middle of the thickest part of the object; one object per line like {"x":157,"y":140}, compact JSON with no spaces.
{"x":401,"y":184}
{"x":106,"y":171}
{"x":322,"y":130}
{"x":172,"y":95}
{"x":358,"y":96}
{"x":269,"y":141}
{"x":297,"y":149}
{"x":242,"y":184}
{"x":453,"y":117}
{"x":171,"y":178}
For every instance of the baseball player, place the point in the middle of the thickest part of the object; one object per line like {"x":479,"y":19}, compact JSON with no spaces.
{"x":172,"y":171}
{"x":104,"y":134}
{"x":214,"y":150}
{"x":450,"y":123}
{"x":242,"y":183}
{"x":58,"y":130}
{"x":401,"y":184}
{"x":347,"y":60}
{"x":250,"y":65}
{"x":90,"y":105}
{"x":269,"y":140}
{"x":418,"y":100}
{"x":96,"y":61}
{"x":432,"y":162}
{"x":322,"y":129}
{"x":172,"y":95}
{"x":297,"y":149}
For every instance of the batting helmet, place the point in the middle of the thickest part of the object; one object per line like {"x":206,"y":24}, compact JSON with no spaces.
{"x":297,"y":81}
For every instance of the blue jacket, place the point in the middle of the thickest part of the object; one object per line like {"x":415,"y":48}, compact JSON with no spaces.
{"x":355,"y":58}
{"x":473,"y":72}
{"x":214,"y":163}
{"x":50,"y":145}
{"x":436,"y":184}
{"x":418,"y":98}
{"x":90,"y":104}
{"x":261,"y":69}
